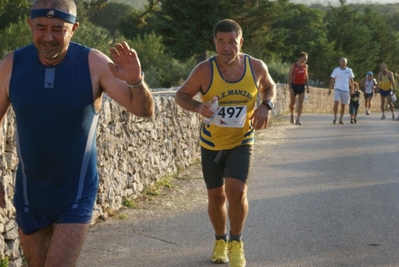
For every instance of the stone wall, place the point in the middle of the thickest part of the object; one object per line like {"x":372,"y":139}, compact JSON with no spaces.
{"x":133,"y":153}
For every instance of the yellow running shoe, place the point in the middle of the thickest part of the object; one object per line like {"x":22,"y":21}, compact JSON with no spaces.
{"x":236,"y":254}
{"x":219,"y":254}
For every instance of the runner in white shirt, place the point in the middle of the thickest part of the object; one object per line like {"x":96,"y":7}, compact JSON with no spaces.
{"x":370,"y":87}
{"x":342,"y":83}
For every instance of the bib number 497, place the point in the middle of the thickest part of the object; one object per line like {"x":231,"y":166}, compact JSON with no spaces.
{"x":231,"y":116}
{"x":230,"y":112}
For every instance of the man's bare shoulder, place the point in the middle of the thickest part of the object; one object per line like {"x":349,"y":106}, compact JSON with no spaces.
{"x":6,"y":66}
{"x":199,"y":79}
{"x":96,"y":56}
{"x":258,"y":64}
{"x":259,"y":67}
{"x":201,"y":72}
{"x":7,"y":59}
{"x":203,"y":67}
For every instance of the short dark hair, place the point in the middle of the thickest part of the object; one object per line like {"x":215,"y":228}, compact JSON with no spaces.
{"x":227,"y":25}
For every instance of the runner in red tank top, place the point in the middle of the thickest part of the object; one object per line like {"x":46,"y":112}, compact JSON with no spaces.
{"x":297,"y":79}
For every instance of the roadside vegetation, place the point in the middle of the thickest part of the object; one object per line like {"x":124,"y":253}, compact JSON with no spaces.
{"x":172,"y":36}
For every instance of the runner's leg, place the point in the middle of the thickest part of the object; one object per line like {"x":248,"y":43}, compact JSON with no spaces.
{"x":35,"y":246}
{"x":217,"y":209}
{"x":65,"y":244}
{"x":301,"y":97}
{"x":236,"y":192}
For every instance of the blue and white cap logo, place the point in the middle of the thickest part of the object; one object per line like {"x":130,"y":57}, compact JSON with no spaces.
{"x":50,"y":14}
{"x":53,"y":13}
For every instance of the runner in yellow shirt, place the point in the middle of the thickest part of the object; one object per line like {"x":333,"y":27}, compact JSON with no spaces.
{"x":227,"y":143}
{"x":386,"y":87}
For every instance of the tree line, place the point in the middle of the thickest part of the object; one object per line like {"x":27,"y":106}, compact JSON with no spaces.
{"x":171,"y":36}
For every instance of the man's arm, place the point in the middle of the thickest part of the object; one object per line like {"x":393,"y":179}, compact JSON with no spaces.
{"x":392,"y":81}
{"x":378,"y":81}
{"x":5,"y":75}
{"x":330,"y":87}
{"x":307,"y":79}
{"x":362,"y":84}
{"x":352,"y":88}
{"x":199,"y":78}
{"x":289,"y":80}
{"x":267,"y":91}
{"x":114,"y":78}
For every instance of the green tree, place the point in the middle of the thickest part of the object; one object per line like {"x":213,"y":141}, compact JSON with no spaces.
{"x":93,"y":36}
{"x":278,"y":31}
{"x":111,"y":10}
{"x":160,"y":68}
{"x":385,"y":39}
{"x":322,"y":60}
{"x":187,"y":25}
{"x":11,"y":11}
{"x":364,"y":37}
{"x":353,"y":38}
{"x":86,"y":8}
{"x":16,"y":35}
{"x":393,"y":20}
{"x":262,"y":38}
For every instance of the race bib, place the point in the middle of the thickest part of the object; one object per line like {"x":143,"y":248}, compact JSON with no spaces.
{"x":230,"y":116}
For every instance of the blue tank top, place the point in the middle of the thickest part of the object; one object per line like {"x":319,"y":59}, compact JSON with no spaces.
{"x":55,"y":131}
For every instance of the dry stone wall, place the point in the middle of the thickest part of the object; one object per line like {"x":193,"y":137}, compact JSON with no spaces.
{"x":133,"y":153}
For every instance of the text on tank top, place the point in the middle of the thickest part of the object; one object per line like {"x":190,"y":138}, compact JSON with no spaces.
{"x":231,"y":126}
{"x":299,"y":74}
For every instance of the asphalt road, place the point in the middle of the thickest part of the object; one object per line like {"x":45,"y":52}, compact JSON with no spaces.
{"x":320,"y":195}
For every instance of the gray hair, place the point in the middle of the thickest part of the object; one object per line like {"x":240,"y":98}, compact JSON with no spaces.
{"x":63,"y":5}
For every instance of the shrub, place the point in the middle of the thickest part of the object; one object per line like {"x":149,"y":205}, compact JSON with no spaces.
{"x":279,"y":71}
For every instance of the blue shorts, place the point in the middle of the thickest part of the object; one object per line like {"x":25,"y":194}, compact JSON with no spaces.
{"x":385,"y":93}
{"x":353,"y":108}
{"x":30,"y":223}
{"x":231,"y":163}
{"x":366,"y":96}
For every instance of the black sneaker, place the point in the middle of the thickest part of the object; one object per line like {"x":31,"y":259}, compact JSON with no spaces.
{"x":352,"y":121}
{"x":341,"y":122}
{"x":334,"y":121}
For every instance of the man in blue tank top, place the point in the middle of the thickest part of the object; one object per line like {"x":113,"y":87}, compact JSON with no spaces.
{"x":55,"y":87}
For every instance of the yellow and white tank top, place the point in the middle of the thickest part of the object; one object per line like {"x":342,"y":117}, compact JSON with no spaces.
{"x":231,"y":126}
{"x":385,"y":83}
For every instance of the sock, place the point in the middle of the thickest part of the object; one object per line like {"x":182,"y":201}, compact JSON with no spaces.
{"x":235,"y":238}
{"x":224,"y":237}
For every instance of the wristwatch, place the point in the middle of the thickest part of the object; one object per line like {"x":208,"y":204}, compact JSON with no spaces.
{"x":269,"y":104}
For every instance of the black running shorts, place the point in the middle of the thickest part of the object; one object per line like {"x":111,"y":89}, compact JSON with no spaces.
{"x":232,"y":163}
{"x":298,"y":88}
